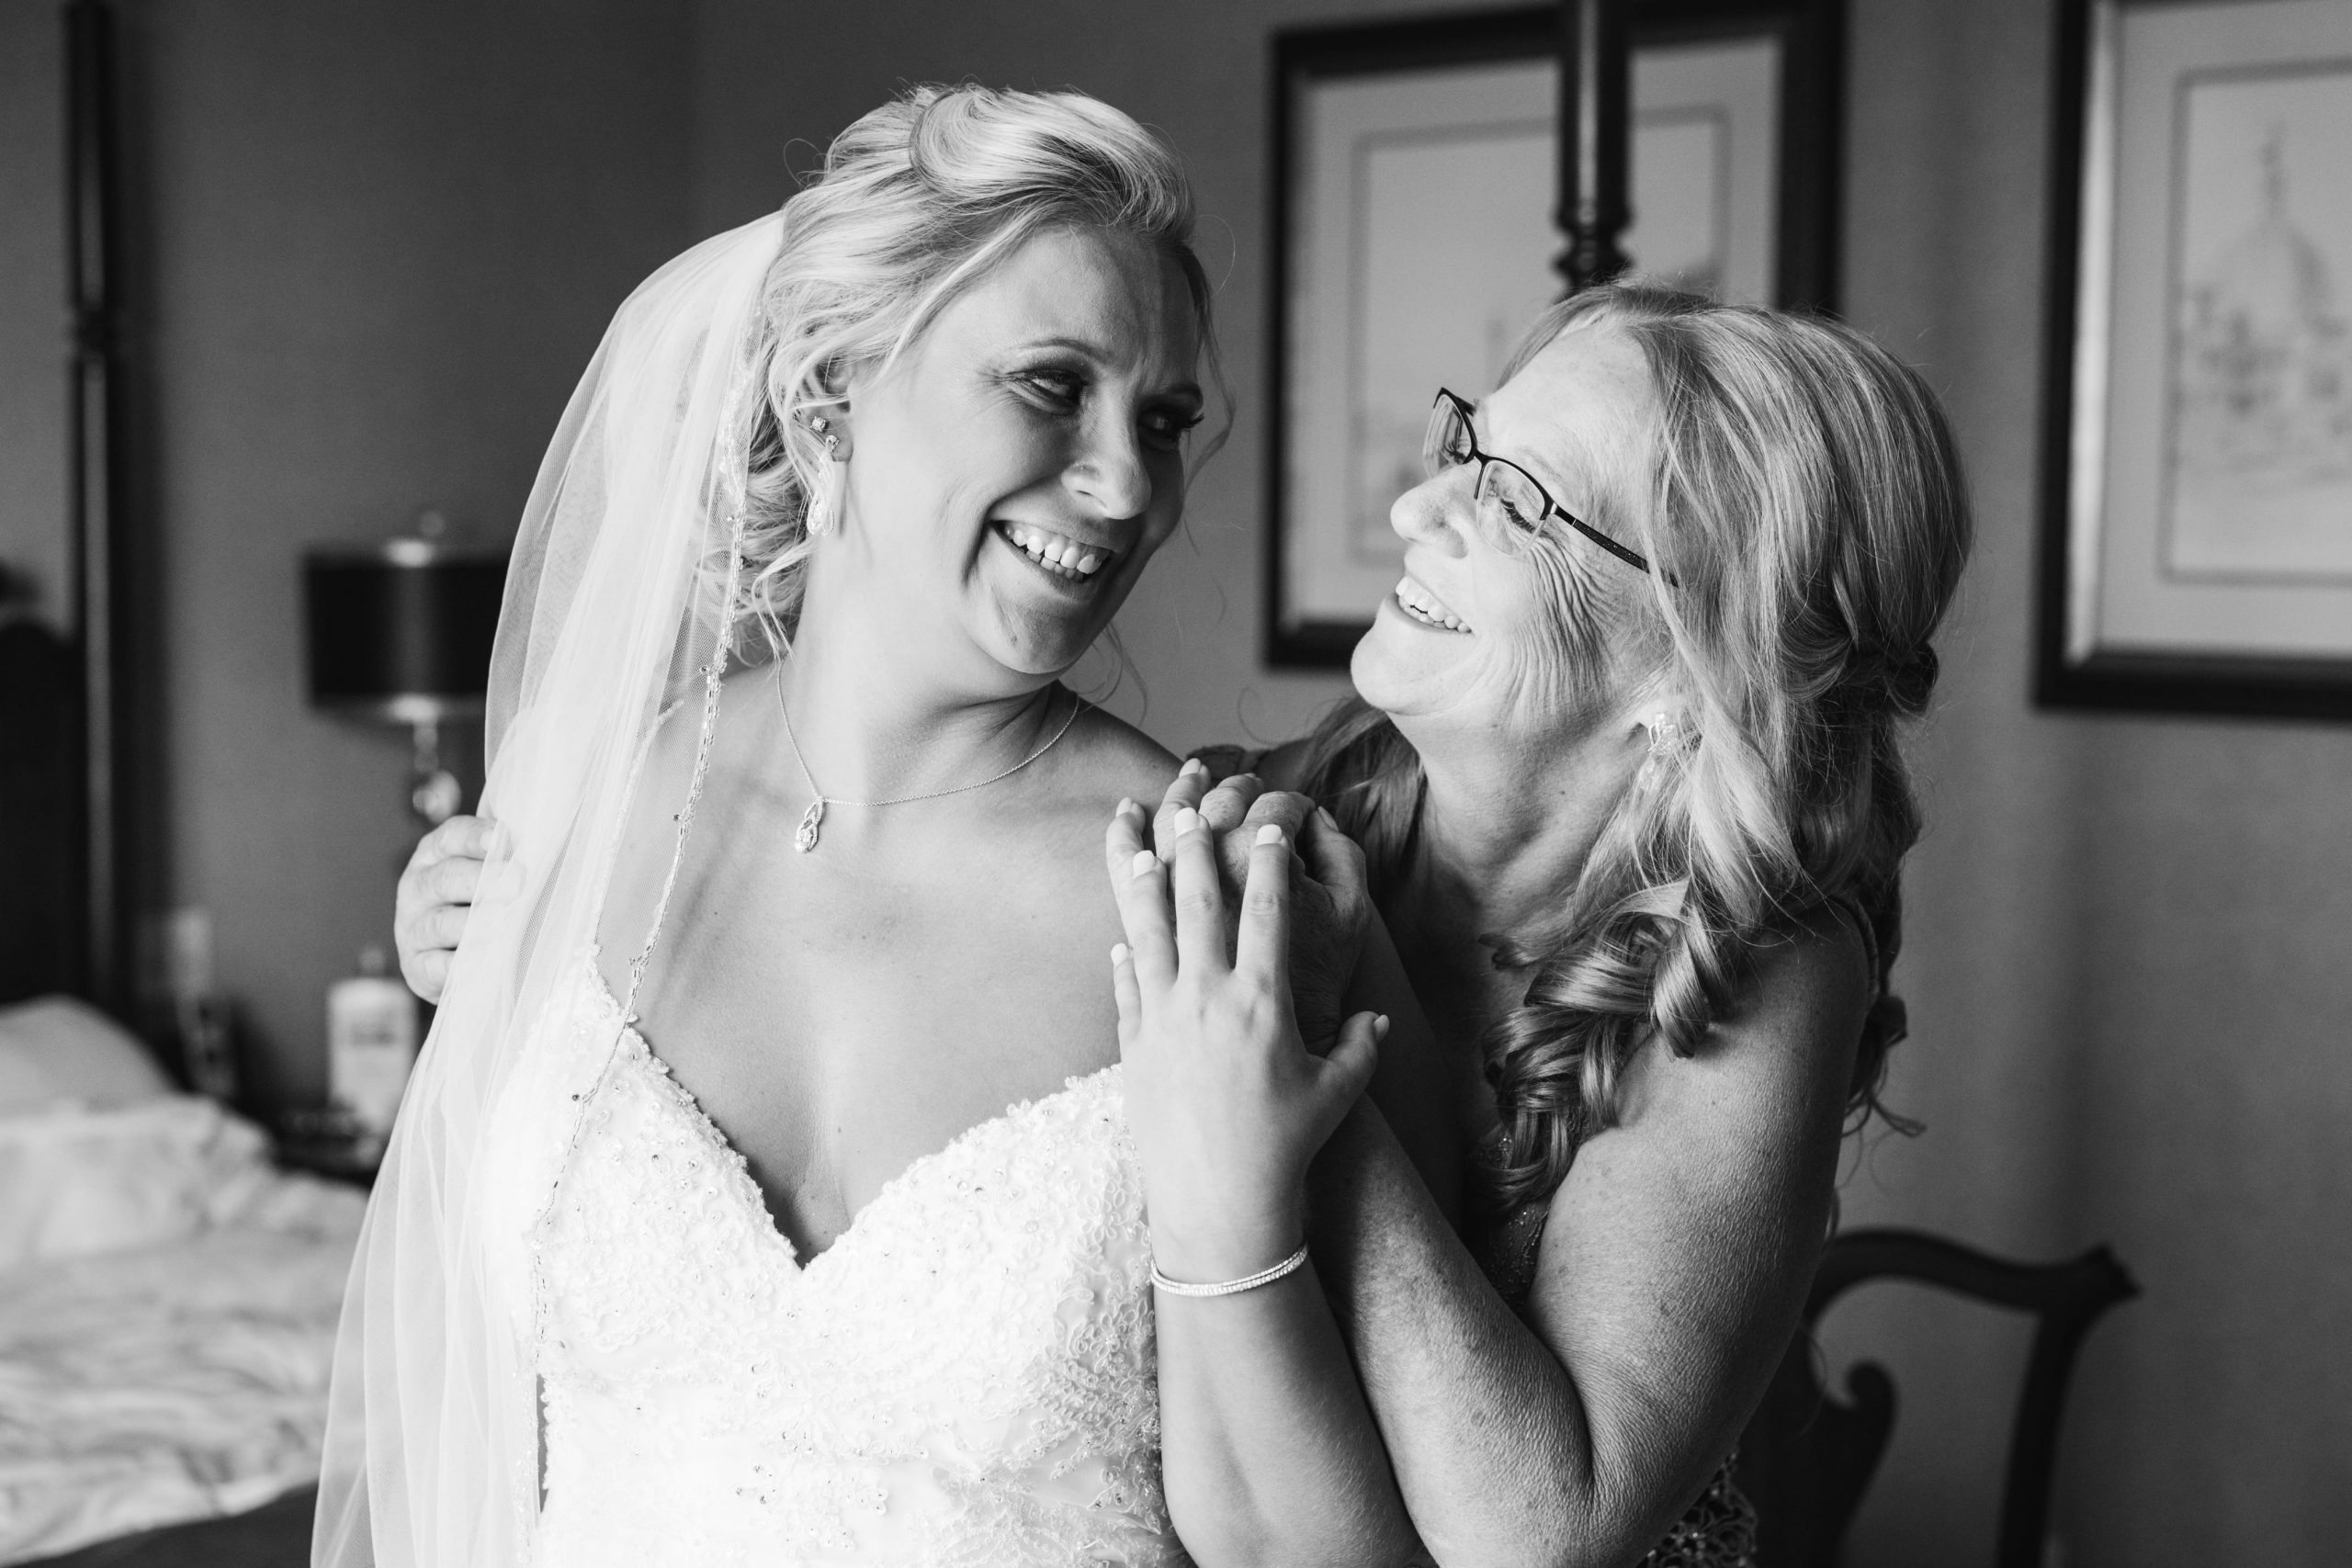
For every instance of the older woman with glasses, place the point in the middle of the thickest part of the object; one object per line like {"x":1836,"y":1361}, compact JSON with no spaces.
{"x":1624,"y":772}
{"x":1626,"y":775}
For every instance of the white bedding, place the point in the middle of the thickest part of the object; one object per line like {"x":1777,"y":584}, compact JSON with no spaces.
{"x":182,"y":1372}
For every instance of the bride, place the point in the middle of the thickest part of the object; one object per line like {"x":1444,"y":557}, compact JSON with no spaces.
{"x":707,"y":1235}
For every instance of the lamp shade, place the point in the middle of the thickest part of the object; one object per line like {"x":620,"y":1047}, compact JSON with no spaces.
{"x":400,"y":630}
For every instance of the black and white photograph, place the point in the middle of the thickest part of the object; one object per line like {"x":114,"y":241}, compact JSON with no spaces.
{"x":1339,"y":784}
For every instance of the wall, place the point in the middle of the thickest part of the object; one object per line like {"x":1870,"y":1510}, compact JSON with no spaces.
{"x":385,"y":239}
{"x":33,"y":320}
{"x":1944,"y":260}
{"x":2127,"y":958}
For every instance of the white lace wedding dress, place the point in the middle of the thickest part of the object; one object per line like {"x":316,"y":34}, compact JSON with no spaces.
{"x":965,"y":1377}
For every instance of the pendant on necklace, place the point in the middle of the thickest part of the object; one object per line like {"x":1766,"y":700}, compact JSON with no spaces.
{"x":805,"y":838}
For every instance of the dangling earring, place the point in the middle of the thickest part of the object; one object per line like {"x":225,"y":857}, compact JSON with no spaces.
{"x":825,"y":505}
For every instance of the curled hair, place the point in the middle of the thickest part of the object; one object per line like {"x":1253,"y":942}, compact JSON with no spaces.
{"x":1806,"y":504}
{"x":916,"y":202}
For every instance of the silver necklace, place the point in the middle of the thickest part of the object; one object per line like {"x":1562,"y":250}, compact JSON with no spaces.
{"x":805,"y":838}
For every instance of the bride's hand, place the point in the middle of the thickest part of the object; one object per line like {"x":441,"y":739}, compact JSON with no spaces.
{"x":1226,"y":1103}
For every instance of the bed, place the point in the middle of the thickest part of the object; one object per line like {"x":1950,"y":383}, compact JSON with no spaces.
{"x":168,"y":1300}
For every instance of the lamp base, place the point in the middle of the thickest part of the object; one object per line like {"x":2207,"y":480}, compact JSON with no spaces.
{"x":435,"y":797}
{"x":433,"y":793}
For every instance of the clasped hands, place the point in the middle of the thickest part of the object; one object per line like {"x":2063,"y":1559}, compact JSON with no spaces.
{"x":1245,"y":910}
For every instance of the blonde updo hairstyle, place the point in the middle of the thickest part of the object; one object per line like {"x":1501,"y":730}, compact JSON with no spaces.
{"x":1808,"y":523}
{"x":916,"y":202}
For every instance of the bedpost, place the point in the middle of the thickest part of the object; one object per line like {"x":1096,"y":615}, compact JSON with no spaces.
{"x":1596,"y":128}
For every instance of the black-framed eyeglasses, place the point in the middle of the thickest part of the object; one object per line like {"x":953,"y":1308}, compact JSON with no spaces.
{"x":1524,"y":502}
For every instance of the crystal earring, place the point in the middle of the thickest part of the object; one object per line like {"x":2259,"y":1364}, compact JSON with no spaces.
{"x":836,"y":442}
{"x":1666,"y":736}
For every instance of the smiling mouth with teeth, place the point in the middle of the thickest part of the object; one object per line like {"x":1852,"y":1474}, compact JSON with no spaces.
{"x":1426,"y":608}
{"x":1064,"y":558}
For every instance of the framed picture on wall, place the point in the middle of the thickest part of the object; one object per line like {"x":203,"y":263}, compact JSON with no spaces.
{"x":1414,"y":202}
{"x":2197,"y":517}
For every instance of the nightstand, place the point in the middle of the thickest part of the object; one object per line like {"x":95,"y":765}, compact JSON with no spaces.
{"x":324,"y":1142}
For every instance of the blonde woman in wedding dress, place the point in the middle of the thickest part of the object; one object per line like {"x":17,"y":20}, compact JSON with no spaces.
{"x":708,"y":1236}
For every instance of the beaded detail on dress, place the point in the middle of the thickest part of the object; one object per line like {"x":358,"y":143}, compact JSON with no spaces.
{"x":1717,"y":1532}
{"x":966,"y":1377}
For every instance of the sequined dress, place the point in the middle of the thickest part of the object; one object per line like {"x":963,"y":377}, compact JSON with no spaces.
{"x":965,"y":1378}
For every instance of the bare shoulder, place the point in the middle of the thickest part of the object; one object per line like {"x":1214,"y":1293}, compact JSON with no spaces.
{"x":1721,"y":1164}
{"x":1678,"y":1250}
{"x":1111,"y":759}
{"x":1807,"y":990}
{"x":1782,"y":1053}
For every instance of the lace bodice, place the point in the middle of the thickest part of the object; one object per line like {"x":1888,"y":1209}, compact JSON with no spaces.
{"x":965,"y":1377}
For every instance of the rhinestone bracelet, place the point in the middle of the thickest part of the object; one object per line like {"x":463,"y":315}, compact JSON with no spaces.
{"x":1288,"y":1265}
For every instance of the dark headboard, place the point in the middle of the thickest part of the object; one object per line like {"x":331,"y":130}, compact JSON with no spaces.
{"x":41,"y":915}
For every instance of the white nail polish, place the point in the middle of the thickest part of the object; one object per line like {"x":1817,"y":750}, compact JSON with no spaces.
{"x":1118,"y":952}
{"x":1271,"y":833}
{"x":1187,"y":821}
{"x":1144,"y":861}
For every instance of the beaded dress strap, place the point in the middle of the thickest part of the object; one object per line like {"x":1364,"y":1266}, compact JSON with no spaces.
{"x":713,"y":673}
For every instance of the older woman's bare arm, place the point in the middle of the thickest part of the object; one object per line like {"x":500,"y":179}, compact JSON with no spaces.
{"x":1671,"y":1273}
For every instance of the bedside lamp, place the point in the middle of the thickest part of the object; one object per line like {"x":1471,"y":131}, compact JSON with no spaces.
{"x":400,"y":632}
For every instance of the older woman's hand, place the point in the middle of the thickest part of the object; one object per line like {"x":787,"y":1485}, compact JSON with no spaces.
{"x":1330,"y":909}
{"x":437,"y":896}
{"x":1226,"y":1103}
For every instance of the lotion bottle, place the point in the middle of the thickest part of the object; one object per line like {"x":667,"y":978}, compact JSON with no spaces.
{"x":371,"y":1043}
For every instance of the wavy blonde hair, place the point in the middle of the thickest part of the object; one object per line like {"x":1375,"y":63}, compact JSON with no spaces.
{"x":915,"y":203}
{"x":1806,"y":504}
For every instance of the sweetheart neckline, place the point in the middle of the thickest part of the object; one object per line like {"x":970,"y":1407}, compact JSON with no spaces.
{"x":749,"y":1190}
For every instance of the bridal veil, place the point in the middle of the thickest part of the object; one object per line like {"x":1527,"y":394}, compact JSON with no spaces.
{"x":620,"y":603}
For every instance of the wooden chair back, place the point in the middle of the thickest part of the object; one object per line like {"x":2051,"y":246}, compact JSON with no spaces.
{"x":1807,"y":1457}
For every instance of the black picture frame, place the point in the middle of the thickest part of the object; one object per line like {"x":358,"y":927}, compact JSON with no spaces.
{"x":1811,"y":98}
{"x":2065,"y":676}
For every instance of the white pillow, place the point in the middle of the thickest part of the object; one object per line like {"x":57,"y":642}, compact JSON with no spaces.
{"x":76,"y":1180}
{"x":55,"y":1049}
